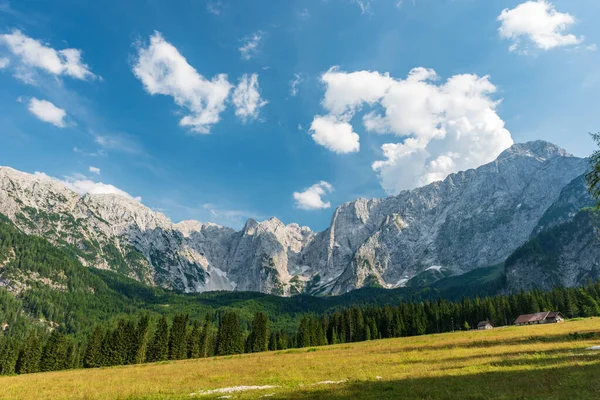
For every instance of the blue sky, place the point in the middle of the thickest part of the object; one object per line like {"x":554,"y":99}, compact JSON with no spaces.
{"x":143,"y":101}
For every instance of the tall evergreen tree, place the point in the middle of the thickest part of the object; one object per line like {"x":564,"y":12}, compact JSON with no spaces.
{"x":55,"y":353}
{"x":177,"y":338}
{"x":205,"y":337}
{"x":93,"y":352}
{"x":159,"y":348}
{"x":258,"y":340}
{"x":142,"y":338}
{"x":230,"y":337}
{"x":30,"y":355}
{"x":193,"y":341}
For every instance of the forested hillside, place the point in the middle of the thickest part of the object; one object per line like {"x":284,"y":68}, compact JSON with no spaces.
{"x":57,"y":314}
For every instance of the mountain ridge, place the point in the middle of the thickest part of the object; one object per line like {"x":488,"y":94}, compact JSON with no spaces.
{"x":387,"y":241}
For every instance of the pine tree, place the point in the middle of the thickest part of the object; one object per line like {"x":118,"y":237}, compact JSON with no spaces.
{"x":159,"y":348}
{"x":205,"y":337}
{"x":193,"y":341}
{"x":142,"y":337}
{"x":93,"y":352}
{"x":30,"y":354}
{"x":230,"y":337}
{"x":54,"y":354}
{"x":177,"y":338}
{"x":258,"y":340}
{"x":9,"y":353}
{"x":119,"y":344}
{"x":304,"y":336}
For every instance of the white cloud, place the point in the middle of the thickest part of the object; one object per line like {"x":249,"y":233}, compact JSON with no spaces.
{"x":334,"y":134}
{"x":310,"y":199}
{"x":445,"y":127}
{"x":47,"y":112}
{"x":294,"y":84}
{"x":251,"y":45}
{"x":364,"y":5}
{"x":539,"y":22}
{"x":246,"y":98}
{"x":94,"y":170}
{"x":214,"y":7}
{"x":35,"y":54}
{"x":80,"y":184}
{"x":163,"y":70}
{"x":4,"y":62}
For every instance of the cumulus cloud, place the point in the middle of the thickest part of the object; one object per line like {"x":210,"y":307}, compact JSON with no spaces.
{"x":444,"y":127}
{"x":251,"y":45}
{"x":33,"y":54}
{"x":246,"y":98}
{"x":47,"y":112}
{"x":163,"y":70}
{"x":538,"y":22}
{"x":94,"y":170}
{"x":82,"y":185}
{"x":334,"y":134}
{"x":311,"y":198}
{"x":4,"y":62}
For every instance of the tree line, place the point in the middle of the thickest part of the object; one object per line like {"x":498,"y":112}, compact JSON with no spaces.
{"x":141,"y":339}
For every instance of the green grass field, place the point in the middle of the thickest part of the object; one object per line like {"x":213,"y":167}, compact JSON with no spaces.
{"x":535,"y":362}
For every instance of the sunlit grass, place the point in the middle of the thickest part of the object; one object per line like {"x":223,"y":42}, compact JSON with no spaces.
{"x":507,"y":363}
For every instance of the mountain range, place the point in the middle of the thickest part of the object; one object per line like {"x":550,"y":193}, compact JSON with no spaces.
{"x":522,"y":210}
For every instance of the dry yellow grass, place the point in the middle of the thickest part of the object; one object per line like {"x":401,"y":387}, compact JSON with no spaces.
{"x":507,"y":363}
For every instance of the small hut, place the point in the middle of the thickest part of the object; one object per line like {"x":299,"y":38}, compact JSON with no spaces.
{"x":484,"y":325}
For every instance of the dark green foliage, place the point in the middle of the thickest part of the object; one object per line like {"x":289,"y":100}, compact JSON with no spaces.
{"x":178,"y":338}
{"x":258,"y":339}
{"x":159,"y":348}
{"x":230,"y":338}
{"x":31,"y":354}
{"x":141,"y":340}
{"x":205,"y":338}
{"x":55,"y":354}
{"x":93,"y":355}
{"x":593,"y":177}
{"x":193,"y":341}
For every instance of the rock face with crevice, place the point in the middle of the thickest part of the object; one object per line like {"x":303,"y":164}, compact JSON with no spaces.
{"x":472,"y":219}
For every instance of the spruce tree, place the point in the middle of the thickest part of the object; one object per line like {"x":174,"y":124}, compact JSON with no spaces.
{"x":9,"y":353}
{"x":177,"y":338}
{"x":142,"y":337}
{"x":159,"y":348}
{"x":258,"y":340}
{"x":193,"y":341}
{"x":230,"y":337}
{"x":55,"y":353}
{"x":30,"y":354}
{"x":205,"y":337}
{"x":304,"y":336}
{"x":93,"y":352}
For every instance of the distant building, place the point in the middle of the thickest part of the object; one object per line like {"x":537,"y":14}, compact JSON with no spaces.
{"x":546,"y":317}
{"x":484,"y":325}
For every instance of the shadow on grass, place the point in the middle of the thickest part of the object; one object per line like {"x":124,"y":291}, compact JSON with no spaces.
{"x":579,"y":382}
{"x":492,"y":341}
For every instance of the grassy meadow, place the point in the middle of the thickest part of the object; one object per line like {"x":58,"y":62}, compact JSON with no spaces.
{"x":535,"y":362}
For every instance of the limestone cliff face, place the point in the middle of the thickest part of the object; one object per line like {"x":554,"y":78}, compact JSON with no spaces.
{"x":566,"y":255}
{"x":472,"y":219}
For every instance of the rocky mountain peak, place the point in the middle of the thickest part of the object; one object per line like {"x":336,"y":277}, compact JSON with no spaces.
{"x":538,"y":149}
{"x":472,"y":219}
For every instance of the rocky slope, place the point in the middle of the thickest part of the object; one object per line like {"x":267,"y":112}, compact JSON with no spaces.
{"x":472,"y":219}
{"x":566,"y":255}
